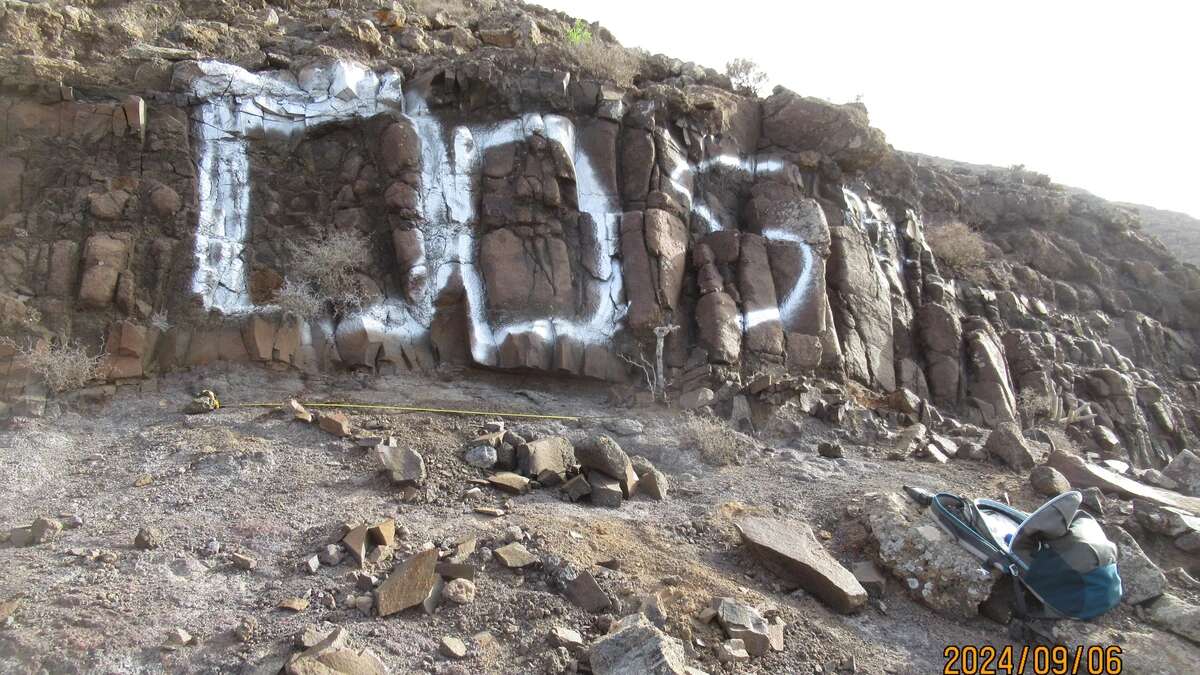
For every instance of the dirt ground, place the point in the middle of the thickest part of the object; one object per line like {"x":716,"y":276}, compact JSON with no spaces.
{"x":251,"y":481}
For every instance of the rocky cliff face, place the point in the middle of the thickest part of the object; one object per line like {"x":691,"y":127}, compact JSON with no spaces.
{"x":531,"y":208}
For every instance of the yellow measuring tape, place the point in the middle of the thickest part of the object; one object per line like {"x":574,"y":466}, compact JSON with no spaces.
{"x":402,"y":408}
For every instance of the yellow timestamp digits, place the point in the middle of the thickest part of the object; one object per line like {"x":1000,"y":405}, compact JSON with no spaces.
{"x":1039,"y":660}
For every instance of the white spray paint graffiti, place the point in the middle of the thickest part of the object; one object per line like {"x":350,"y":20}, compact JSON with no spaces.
{"x":755,"y":166}
{"x":449,"y":180}
{"x":238,"y":104}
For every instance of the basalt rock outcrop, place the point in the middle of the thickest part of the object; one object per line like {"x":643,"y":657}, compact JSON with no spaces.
{"x":531,"y":210}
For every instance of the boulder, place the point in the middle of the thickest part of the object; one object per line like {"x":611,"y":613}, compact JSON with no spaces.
{"x":605,"y":491}
{"x":1048,"y":481}
{"x":792,"y":551}
{"x":1085,"y":474}
{"x":405,"y":464}
{"x":553,"y":453}
{"x":1173,"y":614}
{"x":697,"y":398}
{"x":742,"y":622}
{"x":1164,"y":520}
{"x":1141,"y":579}
{"x":651,"y":481}
{"x":1184,"y":469}
{"x":1009,"y":444}
{"x":933,"y":567}
{"x":602,"y":453}
{"x":842,"y":132}
{"x":634,"y":646}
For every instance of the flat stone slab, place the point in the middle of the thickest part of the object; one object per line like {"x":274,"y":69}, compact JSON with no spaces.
{"x":587,"y":594}
{"x":515,"y":555}
{"x":792,"y":551}
{"x":409,"y":584}
{"x":1083,"y":474}
{"x":509,"y":482}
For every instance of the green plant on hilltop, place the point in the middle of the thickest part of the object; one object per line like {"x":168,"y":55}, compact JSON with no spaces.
{"x":579,"y":33}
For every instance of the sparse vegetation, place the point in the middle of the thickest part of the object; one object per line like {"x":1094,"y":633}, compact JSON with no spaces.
{"x":959,"y":248}
{"x":717,"y":443}
{"x":746,"y":76}
{"x":579,"y":33}
{"x":609,"y":62}
{"x":298,"y":299}
{"x":62,"y":366}
{"x":326,"y":272}
{"x":1034,"y":407}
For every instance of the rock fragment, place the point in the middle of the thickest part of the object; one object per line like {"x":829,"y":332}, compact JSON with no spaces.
{"x":481,"y":456}
{"x":561,"y":636}
{"x":603,"y":454}
{"x":515,"y":556}
{"x":406,"y":465}
{"x":44,"y":529}
{"x":331,"y":555}
{"x":742,"y":622}
{"x":510,"y":482}
{"x":634,"y":645}
{"x":409,"y":583}
{"x":605,"y":491}
{"x":732,"y":651}
{"x":651,"y":481}
{"x":553,"y":454}
{"x":459,"y":591}
{"x":335,"y":423}
{"x":791,"y":551}
{"x":355,"y":541}
{"x":294,"y":604}
{"x":830,"y":450}
{"x":298,"y":412}
{"x":452,"y":647}
{"x":149,"y":538}
{"x":587,"y":594}
{"x":177,"y":638}
{"x":333,"y":654}
{"x":577,"y":488}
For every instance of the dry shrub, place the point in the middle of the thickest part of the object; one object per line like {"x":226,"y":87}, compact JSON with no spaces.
{"x":959,"y":248}
{"x":609,"y":62}
{"x":717,"y":443}
{"x":1034,"y":406}
{"x":746,"y":76}
{"x":62,"y":366}
{"x":1061,"y":442}
{"x":298,"y":300}
{"x":327,"y":268}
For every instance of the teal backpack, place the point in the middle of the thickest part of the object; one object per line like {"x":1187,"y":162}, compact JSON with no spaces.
{"x":1058,"y":553}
